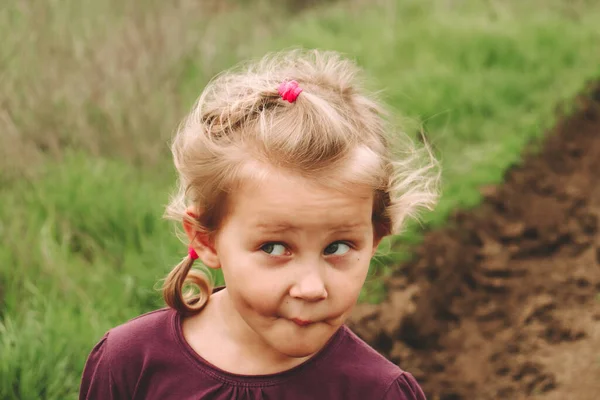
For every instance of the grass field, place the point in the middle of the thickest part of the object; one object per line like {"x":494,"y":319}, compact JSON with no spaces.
{"x":90,"y":93}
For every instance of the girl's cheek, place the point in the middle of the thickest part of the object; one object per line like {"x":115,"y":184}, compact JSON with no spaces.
{"x":353,"y":259}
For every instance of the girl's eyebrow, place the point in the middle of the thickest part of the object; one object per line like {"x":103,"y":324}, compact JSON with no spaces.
{"x":350,"y":227}
{"x":278,"y":227}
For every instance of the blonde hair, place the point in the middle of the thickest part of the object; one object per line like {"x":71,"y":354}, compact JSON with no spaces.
{"x":240,"y":122}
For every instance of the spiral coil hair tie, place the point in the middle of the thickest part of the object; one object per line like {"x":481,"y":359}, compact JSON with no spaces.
{"x":289,"y":90}
{"x":192,"y":253}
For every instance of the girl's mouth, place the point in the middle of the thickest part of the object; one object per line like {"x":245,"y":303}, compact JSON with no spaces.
{"x":301,"y":322}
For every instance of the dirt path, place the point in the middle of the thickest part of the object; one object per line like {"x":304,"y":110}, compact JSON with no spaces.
{"x":504,"y":303}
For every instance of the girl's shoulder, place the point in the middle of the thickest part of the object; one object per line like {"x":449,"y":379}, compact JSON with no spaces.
{"x":150,"y":320}
{"x":115,"y":363}
{"x":139,"y":336}
{"x":372,"y":372}
{"x":143,"y":330}
{"x":357,"y":350}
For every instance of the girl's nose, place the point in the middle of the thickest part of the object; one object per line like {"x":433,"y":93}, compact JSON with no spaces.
{"x":310,"y":286}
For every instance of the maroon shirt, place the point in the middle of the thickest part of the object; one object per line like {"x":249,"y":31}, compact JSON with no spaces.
{"x":148,"y":358}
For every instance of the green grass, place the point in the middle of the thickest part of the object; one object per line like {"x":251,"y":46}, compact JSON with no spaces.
{"x":89,"y":242}
{"x":90,"y":94}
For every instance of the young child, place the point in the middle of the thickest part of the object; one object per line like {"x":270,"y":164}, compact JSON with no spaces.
{"x":288,"y":180}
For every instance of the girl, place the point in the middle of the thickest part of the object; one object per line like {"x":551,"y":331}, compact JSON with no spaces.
{"x":287,"y":182}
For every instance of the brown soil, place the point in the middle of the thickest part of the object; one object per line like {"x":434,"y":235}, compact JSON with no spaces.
{"x":504,"y":303}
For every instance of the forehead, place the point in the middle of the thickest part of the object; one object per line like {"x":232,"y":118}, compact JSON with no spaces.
{"x":280,"y":200}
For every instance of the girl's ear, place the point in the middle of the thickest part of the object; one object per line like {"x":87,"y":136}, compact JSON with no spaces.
{"x":376,"y":241}
{"x":200,"y":240}
{"x":380,"y":230}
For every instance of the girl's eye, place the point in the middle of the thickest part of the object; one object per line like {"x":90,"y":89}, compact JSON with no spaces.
{"x":337,"y":249}
{"x":274,"y":249}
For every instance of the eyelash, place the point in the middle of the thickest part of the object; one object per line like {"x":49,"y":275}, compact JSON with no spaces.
{"x":347,"y":243}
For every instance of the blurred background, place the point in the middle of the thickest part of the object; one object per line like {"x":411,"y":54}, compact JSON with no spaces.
{"x":91,"y":92}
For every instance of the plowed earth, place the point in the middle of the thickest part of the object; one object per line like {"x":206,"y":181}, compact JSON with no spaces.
{"x":504,"y":303}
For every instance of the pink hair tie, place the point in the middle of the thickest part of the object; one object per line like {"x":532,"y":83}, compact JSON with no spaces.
{"x":289,"y":90}
{"x":192,"y":253}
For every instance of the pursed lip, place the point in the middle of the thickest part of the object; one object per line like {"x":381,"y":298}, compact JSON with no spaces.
{"x":301,"y":322}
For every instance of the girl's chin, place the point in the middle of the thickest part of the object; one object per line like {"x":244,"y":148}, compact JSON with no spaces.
{"x":301,"y":344}
{"x":297,"y":351}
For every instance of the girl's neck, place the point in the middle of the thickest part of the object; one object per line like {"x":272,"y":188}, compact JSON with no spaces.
{"x":220,"y":336}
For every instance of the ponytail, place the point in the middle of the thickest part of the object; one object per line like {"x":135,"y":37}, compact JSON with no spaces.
{"x":188,"y":302}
